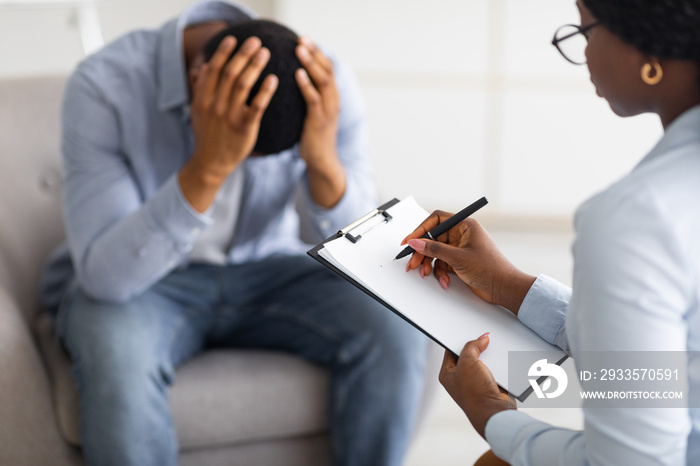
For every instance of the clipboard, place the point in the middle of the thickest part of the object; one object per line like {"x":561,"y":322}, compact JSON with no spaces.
{"x":394,"y":220}
{"x":354,"y":233}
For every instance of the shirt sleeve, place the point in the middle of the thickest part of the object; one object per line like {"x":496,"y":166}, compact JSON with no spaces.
{"x":544,"y":310}
{"x":630,"y":293}
{"x":353,"y":150}
{"x":119,"y":244}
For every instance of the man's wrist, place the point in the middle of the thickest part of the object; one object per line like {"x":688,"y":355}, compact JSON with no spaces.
{"x":209,"y":170}
{"x":327,"y":168}
{"x":200,"y":185}
{"x":327,"y":182}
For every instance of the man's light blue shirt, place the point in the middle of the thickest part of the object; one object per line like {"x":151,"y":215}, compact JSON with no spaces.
{"x":126,"y":134}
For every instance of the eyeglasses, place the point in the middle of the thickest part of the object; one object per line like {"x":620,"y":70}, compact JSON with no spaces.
{"x":574,"y":49}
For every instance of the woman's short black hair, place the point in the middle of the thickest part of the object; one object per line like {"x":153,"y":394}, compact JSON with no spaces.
{"x":666,"y":29}
{"x":283,"y":120}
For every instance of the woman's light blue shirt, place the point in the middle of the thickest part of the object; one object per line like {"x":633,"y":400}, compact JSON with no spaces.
{"x":636,"y":287}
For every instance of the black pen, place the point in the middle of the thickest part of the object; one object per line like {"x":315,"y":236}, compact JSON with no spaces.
{"x":446,"y":225}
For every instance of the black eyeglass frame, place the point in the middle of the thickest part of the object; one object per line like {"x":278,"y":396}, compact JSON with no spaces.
{"x":579,"y":30}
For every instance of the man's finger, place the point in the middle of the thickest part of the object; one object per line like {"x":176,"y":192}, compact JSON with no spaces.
{"x":210,"y":79}
{"x":200,"y":86}
{"x":321,"y":77}
{"x":248,"y":77}
{"x":233,"y":69}
{"x":311,"y":95}
{"x":262,"y":99}
{"x":316,"y":53}
{"x":243,"y":56}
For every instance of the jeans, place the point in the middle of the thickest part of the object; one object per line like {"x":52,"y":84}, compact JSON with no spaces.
{"x":125,"y":355}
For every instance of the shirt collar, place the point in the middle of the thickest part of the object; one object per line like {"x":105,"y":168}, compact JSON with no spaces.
{"x":683,"y":130}
{"x":172,"y":75}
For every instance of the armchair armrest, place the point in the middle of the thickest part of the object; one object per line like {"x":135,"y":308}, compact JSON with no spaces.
{"x":28,"y":432}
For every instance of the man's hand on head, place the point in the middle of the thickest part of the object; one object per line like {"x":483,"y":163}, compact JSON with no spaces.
{"x":225,"y":127}
{"x":318,"y":139}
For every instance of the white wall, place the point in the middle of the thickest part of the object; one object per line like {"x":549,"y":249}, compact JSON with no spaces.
{"x":469,"y":98}
{"x":466,"y":97}
{"x":42,"y":38}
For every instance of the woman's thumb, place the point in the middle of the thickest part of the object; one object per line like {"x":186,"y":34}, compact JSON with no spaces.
{"x":474,"y":348}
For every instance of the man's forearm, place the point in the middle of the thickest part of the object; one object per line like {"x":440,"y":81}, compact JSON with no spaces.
{"x":134,"y":253}
{"x":327,"y":182}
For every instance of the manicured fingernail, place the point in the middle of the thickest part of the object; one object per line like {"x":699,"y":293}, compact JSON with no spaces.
{"x":417,"y":244}
{"x":408,"y":266}
{"x":443,"y":283}
{"x":484,"y":335}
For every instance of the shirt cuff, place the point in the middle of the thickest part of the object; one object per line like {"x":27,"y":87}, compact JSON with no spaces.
{"x":504,"y":429}
{"x":517,"y":438}
{"x":544,"y":308}
{"x":172,"y":215}
{"x":348,"y":209}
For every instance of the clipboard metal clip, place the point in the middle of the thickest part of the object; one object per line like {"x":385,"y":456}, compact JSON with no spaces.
{"x":365,"y":224}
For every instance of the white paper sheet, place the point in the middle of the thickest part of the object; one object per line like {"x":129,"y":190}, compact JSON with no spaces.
{"x":453,"y":316}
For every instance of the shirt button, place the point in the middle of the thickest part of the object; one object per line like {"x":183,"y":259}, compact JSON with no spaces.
{"x":324,"y":224}
{"x":195,"y":231}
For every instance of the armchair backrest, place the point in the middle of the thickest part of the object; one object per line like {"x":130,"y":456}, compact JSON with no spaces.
{"x":30,"y":182}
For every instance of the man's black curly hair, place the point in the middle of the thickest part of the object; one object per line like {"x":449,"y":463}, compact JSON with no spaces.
{"x":283,"y":119}
{"x":666,"y":29}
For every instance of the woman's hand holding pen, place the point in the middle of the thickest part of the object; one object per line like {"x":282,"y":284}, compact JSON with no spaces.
{"x":469,"y":252}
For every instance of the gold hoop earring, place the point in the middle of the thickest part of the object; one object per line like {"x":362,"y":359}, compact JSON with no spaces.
{"x":647,"y":76}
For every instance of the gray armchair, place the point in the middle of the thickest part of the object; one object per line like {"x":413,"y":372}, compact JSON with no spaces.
{"x":230,"y":407}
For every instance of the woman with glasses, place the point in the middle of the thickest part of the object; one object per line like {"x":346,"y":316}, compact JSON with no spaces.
{"x":636,"y":285}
